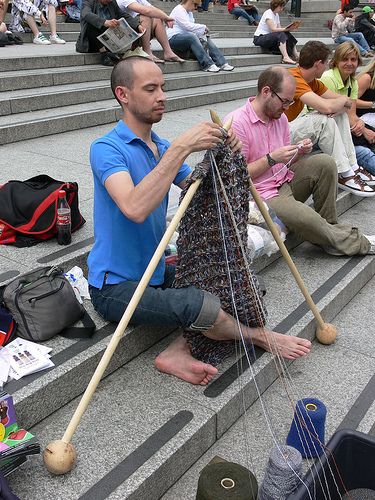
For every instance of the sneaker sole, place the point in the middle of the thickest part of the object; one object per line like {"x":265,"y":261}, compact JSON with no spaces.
{"x":363,"y":194}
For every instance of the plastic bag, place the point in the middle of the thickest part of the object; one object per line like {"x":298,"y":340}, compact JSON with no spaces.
{"x":79,"y":283}
{"x":259,"y":238}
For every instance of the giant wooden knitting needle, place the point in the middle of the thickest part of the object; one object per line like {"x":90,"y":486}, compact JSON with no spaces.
{"x":325,"y":333}
{"x":60,"y":455}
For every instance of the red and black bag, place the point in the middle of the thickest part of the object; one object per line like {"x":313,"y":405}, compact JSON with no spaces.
{"x":28,"y":210}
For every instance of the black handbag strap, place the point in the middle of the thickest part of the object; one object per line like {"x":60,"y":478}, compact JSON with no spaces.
{"x":81,"y":332}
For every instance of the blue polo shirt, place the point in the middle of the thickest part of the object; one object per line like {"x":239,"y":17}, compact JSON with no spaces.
{"x":122,"y":248}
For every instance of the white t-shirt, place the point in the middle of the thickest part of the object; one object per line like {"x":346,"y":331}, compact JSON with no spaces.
{"x":263,"y":28}
{"x":184,"y":23}
{"x":123,"y":6}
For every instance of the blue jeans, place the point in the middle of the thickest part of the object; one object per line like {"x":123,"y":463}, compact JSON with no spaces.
{"x":188,"y":41}
{"x":365,"y":158}
{"x":187,"y":308}
{"x":239,"y":12}
{"x":358,"y":38}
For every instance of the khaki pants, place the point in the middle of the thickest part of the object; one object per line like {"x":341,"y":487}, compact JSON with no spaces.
{"x":316,"y":175}
{"x":331,"y":135}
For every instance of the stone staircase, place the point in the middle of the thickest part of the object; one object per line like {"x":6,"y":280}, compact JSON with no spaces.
{"x":143,"y":430}
{"x":62,"y":90}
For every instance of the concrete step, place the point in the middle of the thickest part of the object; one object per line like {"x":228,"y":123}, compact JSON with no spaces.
{"x":150,"y":428}
{"x":90,"y":89}
{"x":71,"y":36}
{"x":14,"y":81}
{"x":22,"y":126}
{"x":341,"y":376}
{"x":55,"y":56}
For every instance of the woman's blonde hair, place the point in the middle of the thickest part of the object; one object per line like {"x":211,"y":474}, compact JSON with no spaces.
{"x":370,"y":70}
{"x":342,"y":52}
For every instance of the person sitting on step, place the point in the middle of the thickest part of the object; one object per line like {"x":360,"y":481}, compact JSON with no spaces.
{"x":366,"y":94}
{"x":286,"y":175}
{"x":271,"y":36}
{"x":343,"y":30}
{"x":35,"y":12}
{"x":365,"y":24}
{"x":96,"y":17}
{"x":250,"y":13}
{"x":188,"y":36}
{"x":321,"y":114}
{"x":133,"y":170}
{"x":152,"y":19}
{"x":340,"y":78}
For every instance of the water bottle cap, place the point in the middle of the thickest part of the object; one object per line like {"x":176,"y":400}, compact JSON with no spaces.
{"x":62,"y":194}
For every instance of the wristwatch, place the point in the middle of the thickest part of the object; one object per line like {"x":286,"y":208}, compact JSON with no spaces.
{"x":373,"y":105}
{"x":271,"y":161}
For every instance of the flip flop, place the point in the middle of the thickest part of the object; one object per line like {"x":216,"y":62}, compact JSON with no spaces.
{"x":158,"y":61}
{"x":174,"y":59}
{"x":288,"y":62}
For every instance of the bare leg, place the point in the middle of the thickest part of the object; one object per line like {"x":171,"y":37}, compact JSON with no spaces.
{"x":162,"y":38}
{"x":33,"y":26}
{"x":177,"y":360}
{"x":284,"y":52}
{"x":52,"y":19}
{"x":146,"y":46}
{"x":287,"y":346}
{"x":295,"y":53}
{"x":3,"y":11}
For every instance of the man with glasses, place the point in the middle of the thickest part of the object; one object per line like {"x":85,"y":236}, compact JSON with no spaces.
{"x":285,"y":175}
{"x":321,"y":114}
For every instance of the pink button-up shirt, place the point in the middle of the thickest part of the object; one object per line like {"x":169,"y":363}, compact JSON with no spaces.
{"x":260,"y":138}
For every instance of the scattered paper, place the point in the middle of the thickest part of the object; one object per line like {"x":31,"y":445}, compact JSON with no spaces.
{"x":24,"y":357}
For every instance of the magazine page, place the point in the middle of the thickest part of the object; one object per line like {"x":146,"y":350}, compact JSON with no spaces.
{"x":120,"y":38}
{"x":25,"y":357}
{"x":294,"y":25}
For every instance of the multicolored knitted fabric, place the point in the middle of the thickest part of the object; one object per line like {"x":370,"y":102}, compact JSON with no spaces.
{"x":202,"y":259}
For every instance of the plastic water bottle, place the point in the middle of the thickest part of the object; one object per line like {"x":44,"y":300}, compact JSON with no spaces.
{"x":63,"y":222}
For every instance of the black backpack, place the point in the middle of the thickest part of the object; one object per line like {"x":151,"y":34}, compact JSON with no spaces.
{"x":28,"y":210}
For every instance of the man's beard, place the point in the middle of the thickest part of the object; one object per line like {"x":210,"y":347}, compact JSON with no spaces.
{"x":271,"y":113}
{"x":149,"y":117}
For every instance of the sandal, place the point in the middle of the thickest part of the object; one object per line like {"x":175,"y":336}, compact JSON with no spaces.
{"x":288,"y":62}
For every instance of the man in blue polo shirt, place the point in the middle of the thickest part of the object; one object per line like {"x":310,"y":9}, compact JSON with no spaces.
{"x":133,"y":171}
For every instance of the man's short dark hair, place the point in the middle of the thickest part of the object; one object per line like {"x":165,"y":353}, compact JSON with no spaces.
{"x":311,"y":52}
{"x":347,"y":7}
{"x":123,"y":73}
{"x":273,"y":78}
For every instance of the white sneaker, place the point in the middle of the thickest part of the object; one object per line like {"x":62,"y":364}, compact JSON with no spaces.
{"x":227,"y":67}
{"x":212,"y":69}
{"x":371,"y":239}
{"x":41,"y":40}
{"x":355,"y":185}
{"x":56,"y":39}
{"x":365,"y":176}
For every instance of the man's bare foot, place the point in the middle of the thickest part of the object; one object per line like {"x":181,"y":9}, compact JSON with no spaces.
{"x":287,"y":346}
{"x":177,"y":360}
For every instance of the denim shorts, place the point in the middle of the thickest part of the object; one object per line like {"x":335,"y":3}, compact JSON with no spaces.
{"x":187,"y":308}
